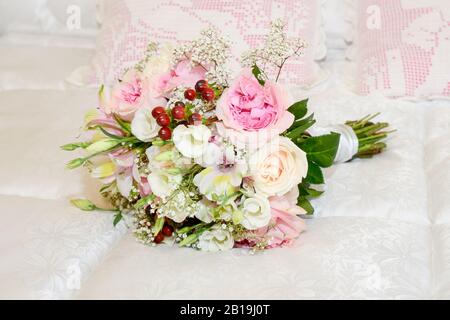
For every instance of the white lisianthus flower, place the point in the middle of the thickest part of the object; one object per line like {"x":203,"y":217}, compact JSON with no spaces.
{"x":277,"y":167}
{"x":163,"y":184}
{"x":217,"y":183}
{"x":191,"y":140}
{"x":216,"y":239}
{"x":256,"y":212}
{"x":203,"y":212}
{"x":144,"y":125}
{"x":212,"y":155}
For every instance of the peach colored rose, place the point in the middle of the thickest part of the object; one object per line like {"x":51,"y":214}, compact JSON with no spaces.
{"x":277,"y":167}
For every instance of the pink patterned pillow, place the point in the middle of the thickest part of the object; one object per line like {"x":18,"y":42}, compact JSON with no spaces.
{"x":403,"y":48}
{"x":128,"y":26}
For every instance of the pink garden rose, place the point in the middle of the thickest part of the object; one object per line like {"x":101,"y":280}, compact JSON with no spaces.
{"x":128,"y":96}
{"x":251,"y":111}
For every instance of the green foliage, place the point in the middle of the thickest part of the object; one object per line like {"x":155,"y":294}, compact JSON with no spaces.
{"x":320,"y":152}
{"x":258,"y":75}
{"x":322,"y":149}
{"x":315,"y":175}
{"x":299,"y":109}
{"x":117,"y":218}
{"x":306,"y":205}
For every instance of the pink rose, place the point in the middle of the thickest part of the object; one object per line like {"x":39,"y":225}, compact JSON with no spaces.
{"x":128,"y":96}
{"x":251,"y":111}
{"x":285,"y":225}
{"x":183,"y":75}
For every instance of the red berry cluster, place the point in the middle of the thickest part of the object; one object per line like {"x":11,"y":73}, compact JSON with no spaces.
{"x":165,"y":232}
{"x":163,"y":119}
{"x":202,"y":89}
{"x":178,"y":112}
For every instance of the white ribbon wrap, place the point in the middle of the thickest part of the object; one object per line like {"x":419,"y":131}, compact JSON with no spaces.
{"x":348,"y":143}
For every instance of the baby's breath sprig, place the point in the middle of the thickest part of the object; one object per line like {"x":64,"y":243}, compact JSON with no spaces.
{"x":211,"y":51}
{"x":150,"y":51}
{"x":277,"y":50}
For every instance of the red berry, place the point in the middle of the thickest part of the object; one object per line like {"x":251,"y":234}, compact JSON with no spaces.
{"x":159,"y":238}
{"x":179,"y":104}
{"x":208,"y":94}
{"x":165,"y":133}
{"x":195,"y":118}
{"x":201,"y":85}
{"x":157,"y":111}
{"x":167,"y":231}
{"x":178,"y":112}
{"x":163,"y":120}
{"x":190,"y":94}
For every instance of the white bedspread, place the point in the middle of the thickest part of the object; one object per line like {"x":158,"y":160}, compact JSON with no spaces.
{"x":382,"y":229}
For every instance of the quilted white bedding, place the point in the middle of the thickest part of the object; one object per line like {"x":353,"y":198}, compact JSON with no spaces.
{"x":381,"y":231}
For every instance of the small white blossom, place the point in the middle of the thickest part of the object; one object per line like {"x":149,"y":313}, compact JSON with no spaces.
{"x":216,"y":239}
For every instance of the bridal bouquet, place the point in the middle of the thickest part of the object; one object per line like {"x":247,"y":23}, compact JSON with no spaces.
{"x":208,"y":161}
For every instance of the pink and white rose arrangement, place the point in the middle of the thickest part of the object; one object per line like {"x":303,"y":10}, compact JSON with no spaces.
{"x":206,"y":161}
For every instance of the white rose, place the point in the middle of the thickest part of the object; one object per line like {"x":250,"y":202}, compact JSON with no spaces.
{"x":144,"y":126}
{"x":163,"y":183}
{"x":256,"y":212}
{"x":216,"y":239}
{"x":277,"y":167}
{"x":191,"y":141}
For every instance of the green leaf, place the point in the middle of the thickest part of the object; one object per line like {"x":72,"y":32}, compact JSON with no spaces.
{"x":322,"y":149}
{"x":189,"y":240}
{"x":313,"y":193}
{"x":258,"y":75}
{"x":159,"y":224}
{"x":117,"y":218}
{"x":302,"y":122}
{"x":83,"y":204}
{"x":299,"y":109}
{"x":144,"y":201}
{"x":305,"y":204}
{"x":108,"y":134}
{"x":124,"y":125}
{"x":315,"y":174}
{"x":300,"y":129}
{"x":190,"y":228}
